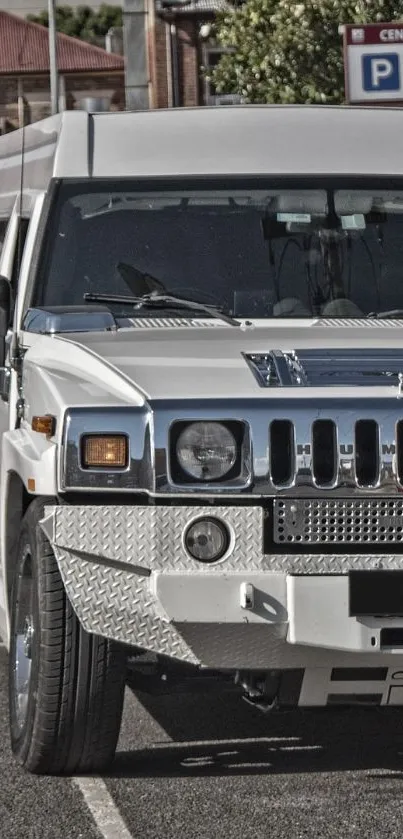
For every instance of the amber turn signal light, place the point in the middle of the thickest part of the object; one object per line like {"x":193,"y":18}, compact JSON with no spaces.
{"x":104,"y":450}
{"x":44,"y":425}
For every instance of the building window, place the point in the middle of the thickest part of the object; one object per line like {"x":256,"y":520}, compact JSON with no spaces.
{"x":211,"y":57}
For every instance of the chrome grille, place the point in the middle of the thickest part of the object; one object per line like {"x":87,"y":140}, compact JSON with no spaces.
{"x":339,"y":521}
{"x":326,"y":453}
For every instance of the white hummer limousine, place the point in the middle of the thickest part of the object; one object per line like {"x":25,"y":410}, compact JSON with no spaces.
{"x":201,"y":340}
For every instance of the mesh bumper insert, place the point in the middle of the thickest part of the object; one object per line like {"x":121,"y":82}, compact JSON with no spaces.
{"x":318,"y":521}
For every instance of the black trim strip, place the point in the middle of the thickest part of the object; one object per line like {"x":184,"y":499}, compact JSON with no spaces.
{"x":377,"y":593}
{"x":290,"y":687}
{"x":90,"y":144}
{"x":359,"y":674}
{"x":392,"y":637}
{"x":354,"y":699}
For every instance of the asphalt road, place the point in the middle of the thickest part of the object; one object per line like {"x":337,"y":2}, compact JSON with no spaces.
{"x":210,"y":767}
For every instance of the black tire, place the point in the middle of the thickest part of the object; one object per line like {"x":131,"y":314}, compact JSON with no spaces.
{"x":67,"y":718}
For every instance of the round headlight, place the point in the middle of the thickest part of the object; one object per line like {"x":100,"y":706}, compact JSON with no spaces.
{"x":206,"y":451}
{"x":207,"y":540}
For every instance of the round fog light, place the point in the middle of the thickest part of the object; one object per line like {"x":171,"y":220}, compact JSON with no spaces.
{"x":207,"y":540}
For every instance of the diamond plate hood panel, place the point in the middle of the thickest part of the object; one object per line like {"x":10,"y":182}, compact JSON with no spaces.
{"x":201,"y":363}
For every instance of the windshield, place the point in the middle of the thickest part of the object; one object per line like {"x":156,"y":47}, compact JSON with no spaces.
{"x":261,"y":250}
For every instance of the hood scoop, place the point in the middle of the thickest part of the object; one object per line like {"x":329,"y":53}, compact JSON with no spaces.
{"x":324,"y":368}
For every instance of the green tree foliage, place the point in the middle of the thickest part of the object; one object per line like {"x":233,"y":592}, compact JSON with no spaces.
{"x":289,"y":52}
{"x":83,"y":22}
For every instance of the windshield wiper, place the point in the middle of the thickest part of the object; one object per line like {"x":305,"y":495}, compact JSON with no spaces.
{"x":139,"y":282}
{"x":157,"y":300}
{"x":391,"y":313}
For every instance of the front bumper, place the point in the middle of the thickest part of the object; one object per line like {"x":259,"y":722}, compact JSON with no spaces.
{"x":129,"y":578}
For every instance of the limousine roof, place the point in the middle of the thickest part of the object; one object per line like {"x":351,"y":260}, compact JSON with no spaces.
{"x":253,"y":140}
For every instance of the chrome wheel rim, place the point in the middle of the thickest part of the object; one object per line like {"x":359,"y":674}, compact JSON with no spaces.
{"x":23,"y":639}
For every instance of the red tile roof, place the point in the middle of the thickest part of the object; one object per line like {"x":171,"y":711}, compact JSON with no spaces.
{"x":24,"y":48}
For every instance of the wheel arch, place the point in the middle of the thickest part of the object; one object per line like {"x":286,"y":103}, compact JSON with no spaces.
{"x":24,"y":462}
{"x":16,"y":501}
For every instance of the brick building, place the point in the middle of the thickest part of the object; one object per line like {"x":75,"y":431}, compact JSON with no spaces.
{"x":179,"y":49}
{"x":84,"y":71}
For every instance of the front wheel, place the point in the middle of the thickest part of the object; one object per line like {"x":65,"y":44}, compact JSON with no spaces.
{"x":66,"y":687}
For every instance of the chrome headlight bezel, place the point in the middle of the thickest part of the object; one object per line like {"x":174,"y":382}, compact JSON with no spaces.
{"x":131,"y":423}
{"x":234,"y":474}
{"x":151,"y":467}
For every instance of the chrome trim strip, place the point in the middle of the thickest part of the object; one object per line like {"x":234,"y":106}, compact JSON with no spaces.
{"x":346,"y":474}
{"x":328,"y":368}
{"x":263,"y":368}
{"x":148,"y":431}
{"x":282,"y":367}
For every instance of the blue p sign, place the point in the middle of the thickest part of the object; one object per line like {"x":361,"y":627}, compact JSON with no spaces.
{"x":381,"y":72}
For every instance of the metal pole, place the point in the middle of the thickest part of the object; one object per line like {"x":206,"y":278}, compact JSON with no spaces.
{"x":54,"y":81}
{"x":175,"y":66}
{"x":135,"y":29}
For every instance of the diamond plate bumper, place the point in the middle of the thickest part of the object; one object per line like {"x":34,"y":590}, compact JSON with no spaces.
{"x":129,"y":578}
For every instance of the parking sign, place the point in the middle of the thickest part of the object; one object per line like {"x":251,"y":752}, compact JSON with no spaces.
{"x":381,"y":72}
{"x":373,"y":63}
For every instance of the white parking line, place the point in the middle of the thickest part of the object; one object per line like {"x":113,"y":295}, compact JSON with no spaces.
{"x":102,"y":807}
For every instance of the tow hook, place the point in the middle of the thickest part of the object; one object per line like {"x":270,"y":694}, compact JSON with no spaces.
{"x":260,"y":688}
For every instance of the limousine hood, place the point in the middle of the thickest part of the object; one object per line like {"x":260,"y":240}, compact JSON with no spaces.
{"x":251,"y":362}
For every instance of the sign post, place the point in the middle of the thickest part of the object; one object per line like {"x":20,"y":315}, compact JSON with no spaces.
{"x":54,"y":76}
{"x":373,"y":63}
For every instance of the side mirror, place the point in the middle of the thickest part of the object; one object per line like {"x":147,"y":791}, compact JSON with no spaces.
{"x":5,"y":309}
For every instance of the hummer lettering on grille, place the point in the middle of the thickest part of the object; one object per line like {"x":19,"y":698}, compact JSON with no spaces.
{"x":304,"y":449}
{"x":346,"y":448}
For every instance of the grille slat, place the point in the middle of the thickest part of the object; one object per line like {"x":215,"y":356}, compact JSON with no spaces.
{"x":338,"y":521}
{"x":399,"y":446}
{"x":367,"y":452}
{"x":282,"y":452}
{"x":324,"y":452}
